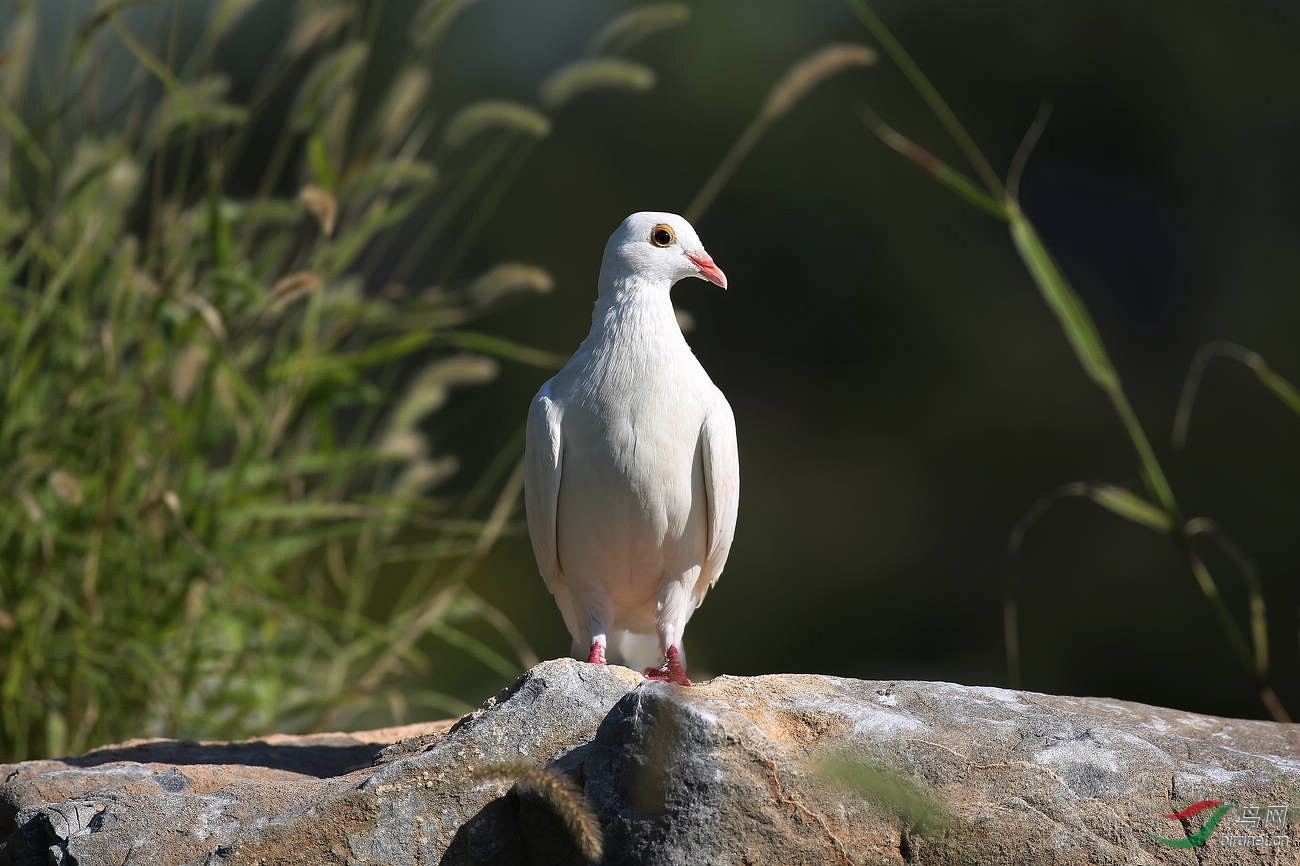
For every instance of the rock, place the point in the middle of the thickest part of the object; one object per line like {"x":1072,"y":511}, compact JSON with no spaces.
{"x":783,"y":769}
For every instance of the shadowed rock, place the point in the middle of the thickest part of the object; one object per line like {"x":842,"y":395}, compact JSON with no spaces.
{"x":777,"y":769}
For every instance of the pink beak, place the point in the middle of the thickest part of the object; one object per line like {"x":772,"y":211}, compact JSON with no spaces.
{"x":711,"y":272}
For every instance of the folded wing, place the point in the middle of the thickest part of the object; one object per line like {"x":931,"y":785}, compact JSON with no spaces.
{"x":543,"y":470}
{"x":721,"y":463}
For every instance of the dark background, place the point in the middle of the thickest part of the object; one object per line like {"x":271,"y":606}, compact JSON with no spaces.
{"x":902,"y":394}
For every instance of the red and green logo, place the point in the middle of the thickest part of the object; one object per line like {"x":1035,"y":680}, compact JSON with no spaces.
{"x":1201,"y":836}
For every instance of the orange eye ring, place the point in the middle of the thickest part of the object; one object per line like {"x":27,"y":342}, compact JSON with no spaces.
{"x":663,"y":235}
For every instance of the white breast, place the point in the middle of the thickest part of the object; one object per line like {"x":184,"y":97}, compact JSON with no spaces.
{"x":631,"y":505}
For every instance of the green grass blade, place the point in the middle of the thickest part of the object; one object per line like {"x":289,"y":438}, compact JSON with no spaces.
{"x":928,"y":92}
{"x":23,"y":137}
{"x":1117,"y":500}
{"x":789,"y":90}
{"x":475,"y":648}
{"x":1280,"y":387}
{"x":1203,"y":526}
{"x":932,"y":165}
{"x":1130,"y":506}
{"x":1064,"y":303}
{"x":503,"y":348}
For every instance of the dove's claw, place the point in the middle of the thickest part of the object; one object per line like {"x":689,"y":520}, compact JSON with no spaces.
{"x":597,"y":656}
{"x":672,"y":671}
{"x":665,"y":677}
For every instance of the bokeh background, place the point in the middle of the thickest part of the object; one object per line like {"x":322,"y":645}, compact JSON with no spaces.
{"x":902,"y":394}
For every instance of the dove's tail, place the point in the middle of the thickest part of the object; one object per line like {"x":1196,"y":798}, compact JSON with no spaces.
{"x":633,"y":649}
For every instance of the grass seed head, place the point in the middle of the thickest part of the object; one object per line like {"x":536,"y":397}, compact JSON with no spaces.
{"x":321,"y":204}
{"x":808,"y":73}
{"x":560,"y":793}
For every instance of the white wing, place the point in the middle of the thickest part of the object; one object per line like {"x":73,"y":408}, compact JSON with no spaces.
{"x":543,"y":468}
{"x":721,"y":461}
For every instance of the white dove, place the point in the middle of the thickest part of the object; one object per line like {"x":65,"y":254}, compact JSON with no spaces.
{"x":631,"y":473}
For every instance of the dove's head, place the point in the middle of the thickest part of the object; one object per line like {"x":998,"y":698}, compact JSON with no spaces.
{"x":661,"y":248}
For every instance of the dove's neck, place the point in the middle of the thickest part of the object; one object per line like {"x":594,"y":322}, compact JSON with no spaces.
{"x":634,"y":313}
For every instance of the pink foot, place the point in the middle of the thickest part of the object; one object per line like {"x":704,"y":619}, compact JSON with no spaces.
{"x":597,"y":656}
{"x":672,"y":671}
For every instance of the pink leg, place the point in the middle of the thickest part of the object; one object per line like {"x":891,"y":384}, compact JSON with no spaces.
{"x":672,"y":671}
{"x":597,"y":656}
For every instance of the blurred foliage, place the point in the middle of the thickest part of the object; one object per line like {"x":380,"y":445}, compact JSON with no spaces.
{"x":1287,"y":393}
{"x":903,"y":795}
{"x":221,"y":500}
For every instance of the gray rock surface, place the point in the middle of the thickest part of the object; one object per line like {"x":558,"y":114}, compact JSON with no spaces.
{"x":782,"y":769}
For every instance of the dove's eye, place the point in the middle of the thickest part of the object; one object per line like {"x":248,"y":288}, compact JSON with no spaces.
{"x":662,"y":236}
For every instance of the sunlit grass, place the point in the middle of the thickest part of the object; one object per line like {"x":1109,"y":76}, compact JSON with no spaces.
{"x":223,"y":512}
